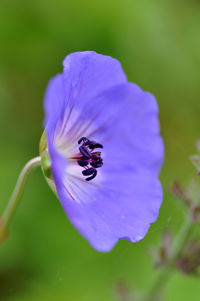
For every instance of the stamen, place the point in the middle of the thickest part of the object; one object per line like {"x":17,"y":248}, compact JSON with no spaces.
{"x":82,"y":162}
{"x":96,"y":165}
{"x":90,"y":171}
{"x":82,"y":139}
{"x":84,"y":151}
{"x":93,"y":144}
{"x":89,"y":158}
{"x":92,"y":177}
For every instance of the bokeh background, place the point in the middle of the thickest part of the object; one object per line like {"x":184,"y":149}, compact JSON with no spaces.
{"x":158,"y":44}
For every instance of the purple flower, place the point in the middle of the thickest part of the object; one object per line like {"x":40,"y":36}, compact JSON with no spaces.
{"x":105,"y":149}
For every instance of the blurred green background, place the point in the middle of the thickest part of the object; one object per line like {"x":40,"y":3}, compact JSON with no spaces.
{"x":158,"y":44}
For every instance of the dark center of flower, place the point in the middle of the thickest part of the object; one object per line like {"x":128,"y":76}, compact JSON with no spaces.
{"x":89,"y":159}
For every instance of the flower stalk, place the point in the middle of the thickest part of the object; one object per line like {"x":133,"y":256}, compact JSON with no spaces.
{"x":15,"y":197}
{"x":166,"y":272}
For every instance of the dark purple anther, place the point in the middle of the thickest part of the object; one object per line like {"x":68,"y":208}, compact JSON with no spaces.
{"x":90,"y":171}
{"x":98,"y":162}
{"x":93,"y":144}
{"x":96,"y":165}
{"x":82,"y":139}
{"x":89,"y":158}
{"x":93,"y":176}
{"x":96,"y":156}
{"x":82,"y":162}
{"x":85,"y":152}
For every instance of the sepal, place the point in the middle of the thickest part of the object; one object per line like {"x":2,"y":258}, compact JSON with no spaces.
{"x":46,"y":162}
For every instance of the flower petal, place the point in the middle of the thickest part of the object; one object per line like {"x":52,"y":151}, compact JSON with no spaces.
{"x":125,"y":197}
{"x":54,"y":103}
{"x":122,"y":207}
{"x":86,"y":74}
{"x":125,"y":120}
{"x":89,"y":73}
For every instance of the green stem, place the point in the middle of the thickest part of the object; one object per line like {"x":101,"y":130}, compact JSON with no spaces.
{"x":17,"y":193}
{"x":159,"y":284}
{"x":167,"y":271}
{"x":182,"y":238}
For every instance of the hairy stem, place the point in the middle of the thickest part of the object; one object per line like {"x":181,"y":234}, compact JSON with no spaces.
{"x":17,"y":193}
